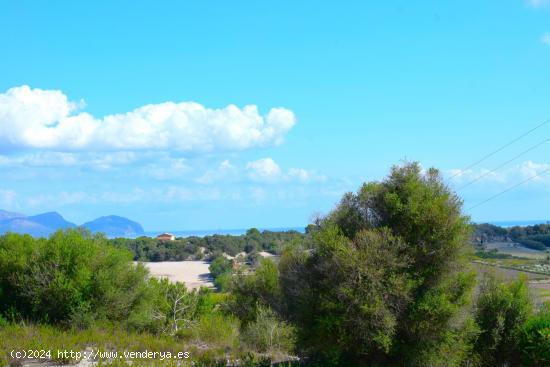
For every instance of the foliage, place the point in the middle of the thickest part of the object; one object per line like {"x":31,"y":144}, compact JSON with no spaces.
{"x":536,"y":237}
{"x":209,"y":301}
{"x":176,"y":308}
{"x":534,"y":340}
{"x":71,"y":276}
{"x":492,"y":254}
{"x":486,"y":231}
{"x":533,"y":243}
{"x":501,"y":311}
{"x":104,"y":338}
{"x":268,"y":334}
{"x":223,"y":281}
{"x":382,"y":280}
{"x":387,"y":279}
{"x":248,"y":291}
{"x":217,"y":330}
{"x":194,"y":248}
{"x":221,"y":269}
{"x":219,"y":266}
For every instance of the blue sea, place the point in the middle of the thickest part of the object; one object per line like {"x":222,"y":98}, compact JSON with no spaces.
{"x":241,"y":231}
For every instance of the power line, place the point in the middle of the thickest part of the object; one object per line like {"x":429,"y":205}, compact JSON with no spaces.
{"x":503,"y":164}
{"x":510,"y":188}
{"x":500,"y":149}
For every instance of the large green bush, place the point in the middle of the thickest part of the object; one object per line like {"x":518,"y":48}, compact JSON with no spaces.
{"x":534,"y":341}
{"x":268,"y":333}
{"x":248,"y":291}
{"x":501,"y":311}
{"x":387,"y":279}
{"x":71,"y":276}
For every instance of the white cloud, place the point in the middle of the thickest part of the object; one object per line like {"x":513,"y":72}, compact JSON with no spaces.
{"x":166,"y":168}
{"x":179,"y":193}
{"x":462,"y":177}
{"x":65,"y":159}
{"x":57,"y":200}
{"x":546,"y":39}
{"x":46,"y":119}
{"x":224,"y":170}
{"x":305,"y":175}
{"x":264,"y":169}
{"x":267,"y":170}
{"x":531,"y":169}
{"x":510,"y":175}
{"x":40,"y":159}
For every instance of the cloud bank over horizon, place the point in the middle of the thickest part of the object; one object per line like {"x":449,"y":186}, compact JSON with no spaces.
{"x":47,"y":119}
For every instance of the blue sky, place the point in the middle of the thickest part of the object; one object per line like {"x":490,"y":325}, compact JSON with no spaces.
{"x":140,"y":108}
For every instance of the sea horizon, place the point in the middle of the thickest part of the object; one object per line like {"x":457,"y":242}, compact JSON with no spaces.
{"x":301,"y":229}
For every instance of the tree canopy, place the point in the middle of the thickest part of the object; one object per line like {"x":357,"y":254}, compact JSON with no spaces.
{"x":387,"y":277}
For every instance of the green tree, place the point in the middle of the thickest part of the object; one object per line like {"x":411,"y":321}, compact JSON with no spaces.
{"x":219,"y":266}
{"x":71,"y":276}
{"x":387,"y":278}
{"x":221,"y":270}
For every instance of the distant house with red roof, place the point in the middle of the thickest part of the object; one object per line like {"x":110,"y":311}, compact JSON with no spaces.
{"x":166,"y":237}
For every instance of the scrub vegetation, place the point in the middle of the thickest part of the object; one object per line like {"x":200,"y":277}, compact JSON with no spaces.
{"x":385,"y":279}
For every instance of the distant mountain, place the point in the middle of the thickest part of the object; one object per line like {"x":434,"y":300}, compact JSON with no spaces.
{"x":115,"y":226}
{"x":42,"y":225}
{"x":9,"y":215}
{"x":24,"y":226}
{"x":52,"y":220}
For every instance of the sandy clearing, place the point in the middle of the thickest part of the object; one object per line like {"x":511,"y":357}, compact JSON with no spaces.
{"x":266,"y":254}
{"x":194,"y":274}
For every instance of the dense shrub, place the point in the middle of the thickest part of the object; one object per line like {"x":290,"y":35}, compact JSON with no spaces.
{"x":217,"y":330}
{"x":219,"y":266}
{"x":536,"y":237}
{"x":269,"y":334}
{"x":221,"y":269}
{"x":492,"y":254}
{"x":70,"y":276}
{"x":531,"y":243}
{"x":387,"y":278}
{"x":261,"y":288}
{"x":192,"y":248}
{"x":501,"y":310}
{"x":535,"y":340}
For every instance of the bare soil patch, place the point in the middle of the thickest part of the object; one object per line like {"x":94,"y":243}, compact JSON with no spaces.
{"x":194,"y":274}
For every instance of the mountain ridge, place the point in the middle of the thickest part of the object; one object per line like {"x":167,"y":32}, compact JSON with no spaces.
{"x":114,"y":225}
{"x":44,"y":224}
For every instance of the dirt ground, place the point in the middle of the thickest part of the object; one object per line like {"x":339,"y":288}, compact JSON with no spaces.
{"x":194,"y":274}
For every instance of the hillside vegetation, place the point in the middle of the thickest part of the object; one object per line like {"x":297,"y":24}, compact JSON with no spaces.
{"x":536,"y":237}
{"x":383,"y":280}
{"x":209,"y":247}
